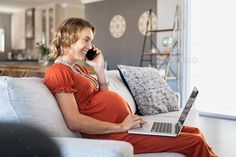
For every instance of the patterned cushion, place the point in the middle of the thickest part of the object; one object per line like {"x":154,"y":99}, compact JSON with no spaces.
{"x":151,"y":92}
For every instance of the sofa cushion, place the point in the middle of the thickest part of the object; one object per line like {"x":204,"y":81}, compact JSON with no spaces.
{"x":168,"y":154}
{"x":151,"y":93}
{"x":7,"y":112}
{"x":33,"y":104}
{"x":78,"y":147}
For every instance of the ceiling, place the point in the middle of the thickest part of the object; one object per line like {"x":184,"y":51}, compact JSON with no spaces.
{"x":10,"y":6}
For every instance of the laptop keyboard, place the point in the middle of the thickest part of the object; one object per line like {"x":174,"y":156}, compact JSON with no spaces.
{"x":161,"y":127}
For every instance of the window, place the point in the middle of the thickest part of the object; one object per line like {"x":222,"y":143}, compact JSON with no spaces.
{"x":2,"y":40}
{"x":212,"y":44}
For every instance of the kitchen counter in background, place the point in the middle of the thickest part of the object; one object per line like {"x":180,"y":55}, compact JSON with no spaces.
{"x":27,"y":62}
{"x":27,"y":68}
{"x":22,"y":68}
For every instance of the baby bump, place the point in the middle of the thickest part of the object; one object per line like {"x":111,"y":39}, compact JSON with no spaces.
{"x":107,"y":106}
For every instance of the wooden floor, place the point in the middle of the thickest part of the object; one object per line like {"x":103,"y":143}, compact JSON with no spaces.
{"x":220,"y":134}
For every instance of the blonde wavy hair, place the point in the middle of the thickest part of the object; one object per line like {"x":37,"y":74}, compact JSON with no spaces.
{"x":67,"y":34}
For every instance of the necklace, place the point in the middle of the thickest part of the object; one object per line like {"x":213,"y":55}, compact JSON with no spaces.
{"x":77,"y":70}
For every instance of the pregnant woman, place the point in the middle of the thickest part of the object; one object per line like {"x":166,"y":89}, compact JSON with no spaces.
{"x":89,"y":107}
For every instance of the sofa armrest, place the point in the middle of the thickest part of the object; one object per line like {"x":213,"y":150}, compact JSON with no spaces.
{"x":178,"y":96}
{"x":79,"y":147}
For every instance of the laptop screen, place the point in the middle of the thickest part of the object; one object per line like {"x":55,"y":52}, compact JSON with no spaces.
{"x":188,"y":105}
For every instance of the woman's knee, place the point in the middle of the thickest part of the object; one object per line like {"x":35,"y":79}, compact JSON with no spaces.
{"x":198,"y":139}
{"x":189,"y":129}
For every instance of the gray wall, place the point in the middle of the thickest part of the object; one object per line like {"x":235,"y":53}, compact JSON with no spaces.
{"x":5,"y":22}
{"x":128,"y":48}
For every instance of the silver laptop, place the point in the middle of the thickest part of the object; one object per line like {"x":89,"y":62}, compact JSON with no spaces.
{"x":165,"y":128}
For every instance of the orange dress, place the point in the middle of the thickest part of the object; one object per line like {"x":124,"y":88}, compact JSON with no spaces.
{"x":109,"y":106}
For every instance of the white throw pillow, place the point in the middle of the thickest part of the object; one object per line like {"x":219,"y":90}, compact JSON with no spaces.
{"x":151,"y":92}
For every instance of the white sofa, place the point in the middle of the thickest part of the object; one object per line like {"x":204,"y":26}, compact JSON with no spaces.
{"x":27,"y":100}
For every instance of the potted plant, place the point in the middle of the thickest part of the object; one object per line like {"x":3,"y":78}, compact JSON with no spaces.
{"x":43,"y":53}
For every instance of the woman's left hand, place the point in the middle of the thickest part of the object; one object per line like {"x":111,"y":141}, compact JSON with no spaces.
{"x":131,"y":121}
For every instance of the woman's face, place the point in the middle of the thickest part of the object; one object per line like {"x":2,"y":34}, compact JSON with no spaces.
{"x":78,"y":50}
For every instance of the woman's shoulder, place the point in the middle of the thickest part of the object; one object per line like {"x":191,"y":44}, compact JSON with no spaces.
{"x":59,"y":78}
{"x":61,"y":69}
{"x":58,"y":67}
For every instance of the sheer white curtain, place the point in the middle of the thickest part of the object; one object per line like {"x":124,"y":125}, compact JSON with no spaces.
{"x":213,"y":49}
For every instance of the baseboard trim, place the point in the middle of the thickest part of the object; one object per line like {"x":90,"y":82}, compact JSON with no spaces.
{"x":216,"y":115}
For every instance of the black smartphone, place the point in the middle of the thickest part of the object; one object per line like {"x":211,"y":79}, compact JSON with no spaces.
{"x":91,"y":54}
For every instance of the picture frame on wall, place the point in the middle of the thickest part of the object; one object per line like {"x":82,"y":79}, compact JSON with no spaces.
{"x":29,"y":23}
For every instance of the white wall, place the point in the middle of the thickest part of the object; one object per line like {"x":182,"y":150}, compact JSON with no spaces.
{"x":75,"y":11}
{"x":165,"y":17}
{"x":213,"y":49}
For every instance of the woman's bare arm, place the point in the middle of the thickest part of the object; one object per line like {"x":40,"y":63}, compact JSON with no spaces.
{"x":98,"y":65}
{"x":85,"y":124}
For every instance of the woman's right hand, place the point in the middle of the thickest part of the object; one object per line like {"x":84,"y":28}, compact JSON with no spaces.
{"x":132,"y":121}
